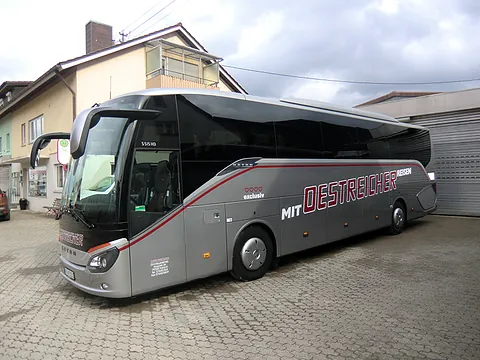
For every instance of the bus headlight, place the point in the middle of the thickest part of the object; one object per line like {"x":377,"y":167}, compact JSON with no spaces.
{"x":104,"y":261}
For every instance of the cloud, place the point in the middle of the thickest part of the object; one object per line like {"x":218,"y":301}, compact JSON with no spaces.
{"x":255,"y":38}
{"x":396,"y":41}
{"x":370,"y":40}
{"x":387,"y":6}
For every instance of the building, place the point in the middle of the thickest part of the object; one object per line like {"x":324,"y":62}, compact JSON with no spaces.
{"x":8,"y":90}
{"x":396,"y":95}
{"x":170,"y":57}
{"x":454,"y":122}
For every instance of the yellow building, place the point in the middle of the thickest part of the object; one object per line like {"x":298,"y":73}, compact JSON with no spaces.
{"x":170,"y":57}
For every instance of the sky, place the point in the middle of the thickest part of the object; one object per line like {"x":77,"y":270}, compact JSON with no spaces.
{"x":357,"y":40}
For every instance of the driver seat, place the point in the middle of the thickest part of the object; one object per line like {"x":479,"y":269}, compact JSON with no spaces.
{"x":162,"y":180}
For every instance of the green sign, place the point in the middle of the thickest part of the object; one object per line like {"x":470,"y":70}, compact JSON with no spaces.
{"x":63,"y":151}
{"x":140,"y":208}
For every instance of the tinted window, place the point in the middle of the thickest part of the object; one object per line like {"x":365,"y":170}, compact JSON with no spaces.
{"x":161,"y":133}
{"x":215,"y":132}
{"x":342,"y":142}
{"x":154,"y":182}
{"x":155,"y":187}
{"x":222,"y":129}
{"x":125,"y":102}
{"x":408,"y":143}
{"x":372,"y":140}
{"x":299,"y":139}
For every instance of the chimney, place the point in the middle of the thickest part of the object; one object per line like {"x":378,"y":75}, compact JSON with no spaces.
{"x":98,"y":36}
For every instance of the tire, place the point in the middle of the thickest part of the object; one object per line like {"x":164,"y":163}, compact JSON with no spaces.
{"x":7,"y":218}
{"x":399,"y":218}
{"x":252,"y":239}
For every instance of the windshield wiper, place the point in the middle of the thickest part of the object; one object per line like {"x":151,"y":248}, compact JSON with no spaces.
{"x":80,"y":215}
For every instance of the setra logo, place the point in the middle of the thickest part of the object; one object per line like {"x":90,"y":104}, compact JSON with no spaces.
{"x":71,"y":238}
{"x":253,"y":192}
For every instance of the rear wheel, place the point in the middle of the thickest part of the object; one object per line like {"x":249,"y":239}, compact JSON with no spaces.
{"x":252,"y":254}
{"x":399,"y":218}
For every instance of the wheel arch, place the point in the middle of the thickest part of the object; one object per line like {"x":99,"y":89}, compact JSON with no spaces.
{"x":402,"y":201}
{"x":265,"y":226}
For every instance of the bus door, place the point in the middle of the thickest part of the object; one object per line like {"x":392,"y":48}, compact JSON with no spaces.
{"x":156,"y":220}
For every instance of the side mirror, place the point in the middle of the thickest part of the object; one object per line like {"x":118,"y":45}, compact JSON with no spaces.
{"x":42,"y":142}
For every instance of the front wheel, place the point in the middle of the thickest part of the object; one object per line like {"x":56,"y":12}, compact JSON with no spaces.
{"x":252,"y":254}
{"x":399,"y":218}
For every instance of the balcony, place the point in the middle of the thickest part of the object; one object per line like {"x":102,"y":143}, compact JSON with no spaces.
{"x":173,"y":65}
{"x":166,"y":81}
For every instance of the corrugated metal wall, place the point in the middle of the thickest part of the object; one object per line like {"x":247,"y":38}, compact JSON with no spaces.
{"x":455,"y":160}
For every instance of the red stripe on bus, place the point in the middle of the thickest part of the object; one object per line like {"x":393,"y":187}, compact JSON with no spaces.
{"x":190,"y":203}
{"x":179,"y":211}
{"x":101,"y":246}
{"x":336,"y":165}
{"x":328,"y":165}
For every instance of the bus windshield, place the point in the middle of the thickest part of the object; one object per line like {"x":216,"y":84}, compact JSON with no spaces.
{"x":91,"y":179}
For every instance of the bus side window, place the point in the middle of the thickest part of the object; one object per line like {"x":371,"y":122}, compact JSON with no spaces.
{"x":342,"y":142}
{"x":400,"y":145}
{"x":217,"y":131}
{"x":299,"y":139}
{"x":155,"y":180}
{"x":376,"y":146}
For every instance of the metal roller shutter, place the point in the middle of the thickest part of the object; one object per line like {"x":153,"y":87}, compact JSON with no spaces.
{"x":455,"y":160}
{"x":5,"y":178}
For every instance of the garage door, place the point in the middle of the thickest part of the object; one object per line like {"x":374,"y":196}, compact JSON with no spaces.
{"x":455,"y":160}
{"x":4,"y":178}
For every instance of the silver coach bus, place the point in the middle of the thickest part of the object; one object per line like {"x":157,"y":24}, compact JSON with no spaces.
{"x":165,"y":186}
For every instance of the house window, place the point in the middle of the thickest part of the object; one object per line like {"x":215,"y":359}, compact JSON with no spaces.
{"x":7,"y":145}
{"x":35,"y":128}
{"x":37,"y":181}
{"x":60,"y":176}
{"x":24,"y":135}
{"x":9,"y":96}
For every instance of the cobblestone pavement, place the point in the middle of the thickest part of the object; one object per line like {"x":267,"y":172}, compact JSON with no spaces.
{"x":416,"y":295}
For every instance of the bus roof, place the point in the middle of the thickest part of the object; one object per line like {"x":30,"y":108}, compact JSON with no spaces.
{"x":312,"y":104}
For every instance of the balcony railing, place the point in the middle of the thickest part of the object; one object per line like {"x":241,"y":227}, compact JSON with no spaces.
{"x":170,"y":64}
{"x":159,"y":80}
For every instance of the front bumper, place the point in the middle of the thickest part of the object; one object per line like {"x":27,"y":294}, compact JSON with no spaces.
{"x":117,"y":278}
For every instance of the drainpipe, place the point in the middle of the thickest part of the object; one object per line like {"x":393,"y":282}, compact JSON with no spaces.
{"x":74,"y":96}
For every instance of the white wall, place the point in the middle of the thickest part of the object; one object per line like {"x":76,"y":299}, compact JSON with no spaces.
{"x":110,"y":77}
{"x":430,"y":104}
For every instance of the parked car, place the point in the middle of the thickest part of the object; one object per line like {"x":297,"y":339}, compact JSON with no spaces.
{"x":4,"y":207}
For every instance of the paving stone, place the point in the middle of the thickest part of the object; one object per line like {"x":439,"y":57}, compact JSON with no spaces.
{"x":414,"y":295}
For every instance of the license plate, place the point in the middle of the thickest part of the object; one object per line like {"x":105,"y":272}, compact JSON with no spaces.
{"x":69,"y":273}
